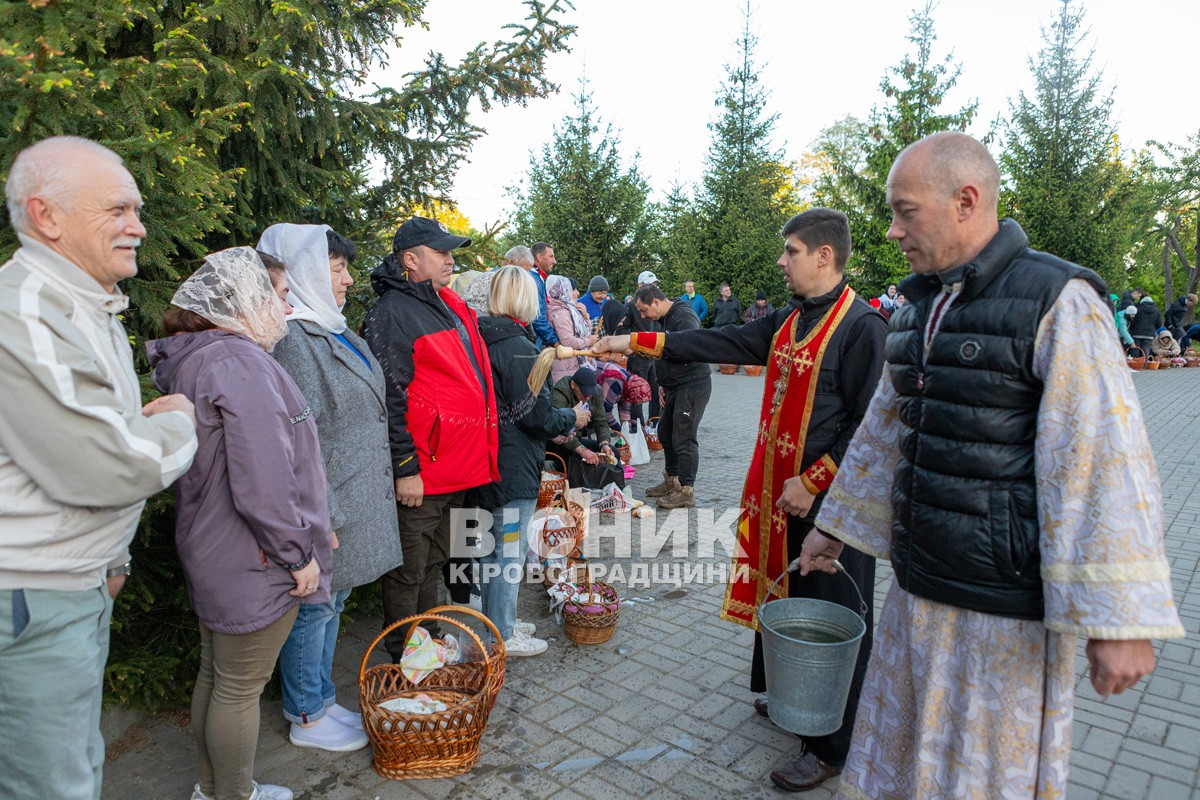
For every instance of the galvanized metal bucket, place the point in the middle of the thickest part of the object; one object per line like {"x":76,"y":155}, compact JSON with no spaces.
{"x":809,"y":651}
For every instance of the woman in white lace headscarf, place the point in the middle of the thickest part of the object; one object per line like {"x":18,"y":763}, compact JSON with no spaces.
{"x":251,"y":523}
{"x":476,"y":293}
{"x":569,"y":323}
{"x":344,"y":386}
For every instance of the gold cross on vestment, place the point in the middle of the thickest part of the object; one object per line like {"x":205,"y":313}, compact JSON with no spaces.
{"x":1120,"y":409}
{"x":803,"y":362}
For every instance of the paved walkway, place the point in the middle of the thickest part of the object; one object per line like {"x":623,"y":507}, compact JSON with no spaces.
{"x":661,"y":710}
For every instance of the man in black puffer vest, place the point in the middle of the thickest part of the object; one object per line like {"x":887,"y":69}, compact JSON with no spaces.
{"x":1004,"y":421}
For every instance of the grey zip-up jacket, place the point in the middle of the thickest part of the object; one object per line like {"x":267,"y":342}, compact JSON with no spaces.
{"x":77,"y":458}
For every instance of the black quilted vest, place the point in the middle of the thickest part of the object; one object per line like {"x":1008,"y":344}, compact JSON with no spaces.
{"x":965,"y":528}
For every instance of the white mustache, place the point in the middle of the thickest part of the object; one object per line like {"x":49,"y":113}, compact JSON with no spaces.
{"x":127,"y":243}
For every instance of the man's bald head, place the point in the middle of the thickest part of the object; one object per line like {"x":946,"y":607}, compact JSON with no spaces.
{"x":943,"y":191}
{"x":952,"y":160}
{"x":51,"y":169}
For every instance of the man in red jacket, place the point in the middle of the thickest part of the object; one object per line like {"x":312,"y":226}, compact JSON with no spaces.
{"x":441,"y":408}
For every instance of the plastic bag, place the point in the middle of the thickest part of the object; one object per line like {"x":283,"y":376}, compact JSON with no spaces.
{"x":639,"y":452}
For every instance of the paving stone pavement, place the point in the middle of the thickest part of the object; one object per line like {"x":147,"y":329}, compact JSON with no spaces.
{"x":662,"y":709}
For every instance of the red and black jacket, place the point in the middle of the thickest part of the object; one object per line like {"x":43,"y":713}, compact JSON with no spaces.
{"x":441,"y":410}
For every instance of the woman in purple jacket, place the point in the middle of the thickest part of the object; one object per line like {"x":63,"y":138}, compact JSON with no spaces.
{"x":252,"y":524}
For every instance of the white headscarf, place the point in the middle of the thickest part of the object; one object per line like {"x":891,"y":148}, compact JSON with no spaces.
{"x":304,"y":250}
{"x":232,"y":290}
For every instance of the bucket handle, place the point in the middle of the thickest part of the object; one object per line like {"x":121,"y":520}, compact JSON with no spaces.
{"x":795,"y":565}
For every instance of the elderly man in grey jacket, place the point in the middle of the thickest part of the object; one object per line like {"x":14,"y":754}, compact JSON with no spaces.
{"x":79,"y":455}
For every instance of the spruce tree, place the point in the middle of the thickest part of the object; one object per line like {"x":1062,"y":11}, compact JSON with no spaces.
{"x":914,"y":92}
{"x":1066,"y":183}
{"x":580,"y":197}
{"x":747,"y":191}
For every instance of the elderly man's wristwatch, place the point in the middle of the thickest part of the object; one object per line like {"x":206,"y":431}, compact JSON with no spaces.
{"x":123,"y":571}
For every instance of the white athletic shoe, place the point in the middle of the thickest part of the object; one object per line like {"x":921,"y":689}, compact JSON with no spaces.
{"x":351,"y":719}
{"x":329,"y":734}
{"x":527,"y":628}
{"x":262,"y":791}
{"x":520,"y":645}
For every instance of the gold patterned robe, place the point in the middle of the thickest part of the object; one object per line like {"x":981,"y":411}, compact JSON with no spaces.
{"x":962,"y":704}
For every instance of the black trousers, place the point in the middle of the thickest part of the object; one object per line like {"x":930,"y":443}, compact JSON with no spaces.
{"x":678,"y":430}
{"x":412,"y":587}
{"x":831,"y":749}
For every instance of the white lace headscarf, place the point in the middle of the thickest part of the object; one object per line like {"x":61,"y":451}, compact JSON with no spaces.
{"x":477,"y":293}
{"x":304,"y":250}
{"x":232,"y":290}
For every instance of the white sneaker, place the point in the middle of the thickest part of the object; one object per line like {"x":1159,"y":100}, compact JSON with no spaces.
{"x":527,"y":628}
{"x":328,"y":734}
{"x":262,"y":791}
{"x":266,"y":791}
{"x":351,"y":719}
{"x":520,"y":645}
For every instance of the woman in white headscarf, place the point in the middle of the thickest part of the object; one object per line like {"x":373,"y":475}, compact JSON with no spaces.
{"x":344,"y":386}
{"x":251,"y":523}
{"x":569,"y":323}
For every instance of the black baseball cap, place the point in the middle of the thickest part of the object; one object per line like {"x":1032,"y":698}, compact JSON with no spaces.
{"x":429,"y":232}
{"x":585,"y":379}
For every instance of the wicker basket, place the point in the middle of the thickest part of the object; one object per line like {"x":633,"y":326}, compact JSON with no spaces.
{"x":651,"y":432}
{"x":1152,"y":364}
{"x":594,"y":628}
{"x":551,"y":487}
{"x":437,"y":745}
{"x":1137,"y":362}
{"x":753,"y":370}
{"x":727,"y":369}
{"x":565,"y":541}
{"x":625,"y":452}
{"x":496,"y":650}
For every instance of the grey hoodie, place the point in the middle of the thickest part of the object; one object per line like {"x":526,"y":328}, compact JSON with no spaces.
{"x":254,"y":498}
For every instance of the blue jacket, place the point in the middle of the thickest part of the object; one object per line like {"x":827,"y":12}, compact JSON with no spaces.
{"x":593,"y":308}
{"x":698,"y":304}
{"x":541,"y":326}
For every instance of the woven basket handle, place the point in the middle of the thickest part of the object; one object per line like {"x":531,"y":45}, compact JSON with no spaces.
{"x":413,"y":620}
{"x":566,"y":477}
{"x":470,"y":612}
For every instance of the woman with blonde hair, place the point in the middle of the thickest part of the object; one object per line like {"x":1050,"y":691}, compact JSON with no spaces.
{"x":527,"y":422}
{"x":251,"y":524}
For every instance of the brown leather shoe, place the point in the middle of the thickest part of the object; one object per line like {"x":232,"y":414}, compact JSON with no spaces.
{"x":803,"y":773}
{"x":760,"y":705}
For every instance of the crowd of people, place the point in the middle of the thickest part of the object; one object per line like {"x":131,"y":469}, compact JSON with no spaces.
{"x":929,"y":426}
{"x":1143,"y":329}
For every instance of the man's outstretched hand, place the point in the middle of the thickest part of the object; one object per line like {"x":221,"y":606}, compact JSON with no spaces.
{"x":611,"y":345}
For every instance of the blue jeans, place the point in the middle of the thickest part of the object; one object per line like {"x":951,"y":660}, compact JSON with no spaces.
{"x":53,"y":646}
{"x":306,"y":660}
{"x":501,"y":570}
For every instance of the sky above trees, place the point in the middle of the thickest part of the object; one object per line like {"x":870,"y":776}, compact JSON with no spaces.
{"x":654,"y":69}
